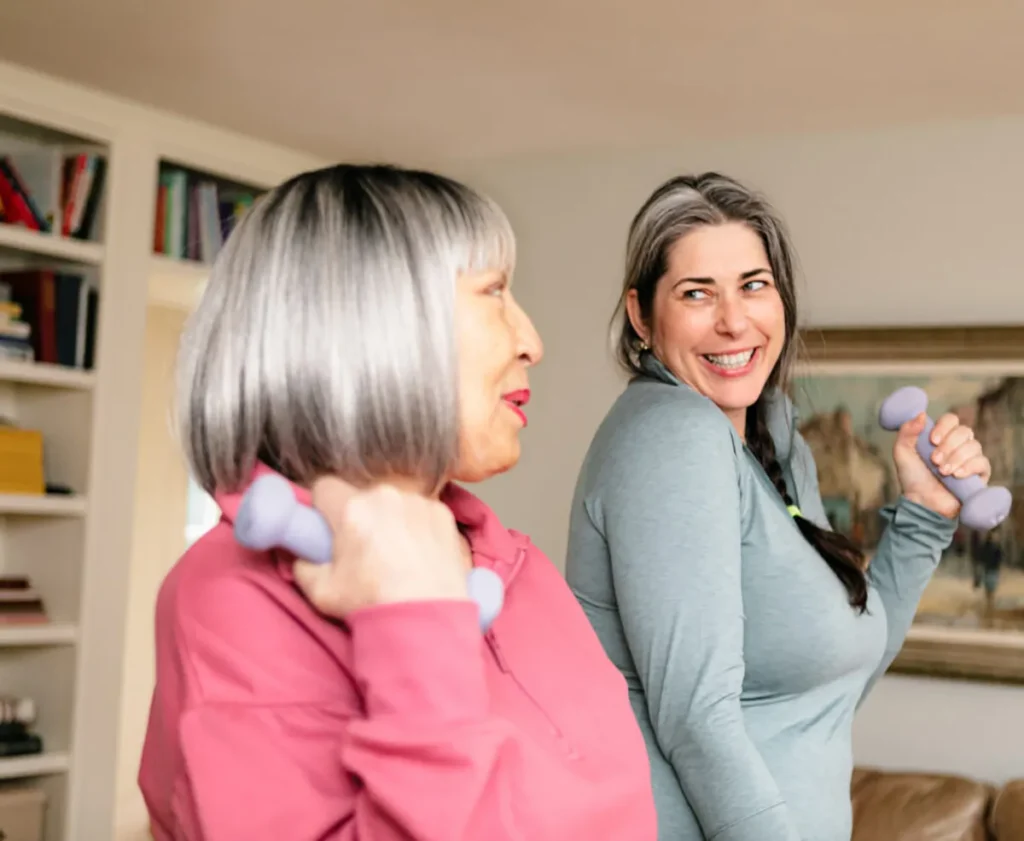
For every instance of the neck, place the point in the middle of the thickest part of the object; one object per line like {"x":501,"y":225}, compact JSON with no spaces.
{"x":738,"y":418}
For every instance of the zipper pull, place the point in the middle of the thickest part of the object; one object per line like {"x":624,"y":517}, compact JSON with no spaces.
{"x":499,"y":658}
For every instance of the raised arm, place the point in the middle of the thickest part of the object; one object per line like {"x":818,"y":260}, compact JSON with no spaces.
{"x":419,"y":759}
{"x":671,"y":516}
{"x":907,"y":556}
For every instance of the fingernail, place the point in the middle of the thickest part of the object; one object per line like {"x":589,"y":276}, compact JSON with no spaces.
{"x":937,"y":457}
{"x":961,"y":473}
{"x":946,"y":468}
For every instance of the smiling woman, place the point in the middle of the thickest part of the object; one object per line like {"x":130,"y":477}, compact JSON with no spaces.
{"x":748,"y":631}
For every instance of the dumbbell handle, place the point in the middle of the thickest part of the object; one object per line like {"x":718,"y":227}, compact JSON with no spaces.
{"x":962,"y":489}
{"x":308,"y":536}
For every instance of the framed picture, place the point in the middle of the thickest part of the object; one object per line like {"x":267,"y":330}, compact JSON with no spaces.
{"x":970,"y":621}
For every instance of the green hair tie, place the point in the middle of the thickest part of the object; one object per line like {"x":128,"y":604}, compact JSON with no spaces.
{"x":794,"y":511}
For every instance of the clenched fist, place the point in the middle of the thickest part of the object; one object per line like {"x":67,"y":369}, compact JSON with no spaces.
{"x":390,"y":545}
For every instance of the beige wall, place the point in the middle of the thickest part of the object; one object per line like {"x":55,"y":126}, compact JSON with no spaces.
{"x":159,"y":539}
{"x":882,"y":221}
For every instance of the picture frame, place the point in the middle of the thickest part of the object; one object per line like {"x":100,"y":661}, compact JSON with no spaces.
{"x":970,"y":622}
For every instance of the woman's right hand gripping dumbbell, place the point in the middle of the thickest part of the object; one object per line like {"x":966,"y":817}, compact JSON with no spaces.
{"x":390,"y":545}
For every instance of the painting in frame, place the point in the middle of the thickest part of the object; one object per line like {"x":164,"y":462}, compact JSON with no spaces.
{"x":970,"y":621}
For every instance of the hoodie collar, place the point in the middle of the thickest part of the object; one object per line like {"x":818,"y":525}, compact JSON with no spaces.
{"x":783,"y":415}
{"x":494,"y":546}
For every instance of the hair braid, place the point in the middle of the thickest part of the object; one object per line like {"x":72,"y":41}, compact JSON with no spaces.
{"x":838,"y":551}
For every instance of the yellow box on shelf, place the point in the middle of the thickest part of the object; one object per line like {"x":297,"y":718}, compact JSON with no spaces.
{"x":21,"y":461}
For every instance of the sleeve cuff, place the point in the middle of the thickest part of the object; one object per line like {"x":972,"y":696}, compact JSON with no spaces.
{"x":919,"y":523}
{"x":420,"y":658}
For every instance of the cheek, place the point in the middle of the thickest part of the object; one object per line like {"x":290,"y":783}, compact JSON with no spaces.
{"x":680,"y":327}
{"x":485,"y":350}
{"x":480,"y":338}
{"x":770,"y":317}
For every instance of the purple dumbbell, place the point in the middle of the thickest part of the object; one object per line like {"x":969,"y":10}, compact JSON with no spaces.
{"x":982,"y":507}
{"x":270,"y":516}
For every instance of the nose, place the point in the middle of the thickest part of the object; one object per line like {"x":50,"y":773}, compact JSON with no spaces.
{"x":529,"y":346}
{"x":732,"y":314}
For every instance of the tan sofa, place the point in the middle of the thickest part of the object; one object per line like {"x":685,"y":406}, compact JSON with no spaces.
{"x":889,"y":806}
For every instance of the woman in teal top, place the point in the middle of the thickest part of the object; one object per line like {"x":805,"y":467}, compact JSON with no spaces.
{"x":747,"y":630}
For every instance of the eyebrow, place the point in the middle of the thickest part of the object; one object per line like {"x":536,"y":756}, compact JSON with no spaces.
{"x":708,"y":281}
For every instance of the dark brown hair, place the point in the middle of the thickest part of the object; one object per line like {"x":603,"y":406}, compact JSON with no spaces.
{"x":673,"y":210}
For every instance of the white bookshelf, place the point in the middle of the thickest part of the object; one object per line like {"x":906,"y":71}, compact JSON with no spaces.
{"x":15,"y":240}
{"x":33,"y":766}
{"x":89,"y":668}
{"x":44,"y":536}
{"x":52,"y":633}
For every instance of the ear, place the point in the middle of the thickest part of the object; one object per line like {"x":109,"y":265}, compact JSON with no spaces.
{"x":635,"y":318}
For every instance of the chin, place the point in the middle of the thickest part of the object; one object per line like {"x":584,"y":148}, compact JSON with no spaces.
{"x":732,"y":398}
{"x":483,"y":467}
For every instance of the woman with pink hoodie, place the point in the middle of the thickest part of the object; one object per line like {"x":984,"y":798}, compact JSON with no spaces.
{"x":359,"y":338}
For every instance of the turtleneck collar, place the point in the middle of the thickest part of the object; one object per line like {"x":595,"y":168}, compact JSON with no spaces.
{"x":783,"y":416}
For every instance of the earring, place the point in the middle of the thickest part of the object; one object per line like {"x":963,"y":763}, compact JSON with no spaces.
{"x":644,"y":347}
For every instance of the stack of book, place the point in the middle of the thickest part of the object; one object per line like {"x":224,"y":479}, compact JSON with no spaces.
{"x":20,"y":602}
{"x":58,"y":311}
{"x":14,"y":332}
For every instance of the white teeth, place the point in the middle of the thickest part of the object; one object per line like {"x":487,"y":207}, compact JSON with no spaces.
{"x":730,"y":360}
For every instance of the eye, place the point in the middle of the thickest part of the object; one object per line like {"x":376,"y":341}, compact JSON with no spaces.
{"x":754,"y":285}
{"x":695,"y":294}
{"x":498,"y":288}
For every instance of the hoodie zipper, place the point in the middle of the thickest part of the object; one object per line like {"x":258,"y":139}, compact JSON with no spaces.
{"x":503,"y":665}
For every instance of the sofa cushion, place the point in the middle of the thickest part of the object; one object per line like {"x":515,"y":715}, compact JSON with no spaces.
{"x":918,"y":807}
{"x":1007,"y":819}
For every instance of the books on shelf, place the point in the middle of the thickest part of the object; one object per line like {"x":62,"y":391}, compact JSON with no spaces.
{"x":51,"y":191}
{"x":81,"y":189}
{"x":18,"y":206}
{"x":20,"y":602}
{"x":21,"y":460}
{"x":48,"y":316}
{"x":195,"y":214}
{"x":15,"y":333}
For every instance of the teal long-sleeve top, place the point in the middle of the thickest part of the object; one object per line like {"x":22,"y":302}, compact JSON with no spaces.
{"x":744,"y":660}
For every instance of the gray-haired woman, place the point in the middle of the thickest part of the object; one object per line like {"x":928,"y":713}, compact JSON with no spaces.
{"x":747,"y":629}
{"x":359,"y":338}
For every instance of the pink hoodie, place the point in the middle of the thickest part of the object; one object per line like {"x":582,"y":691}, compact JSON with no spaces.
{"x":269,"y":721}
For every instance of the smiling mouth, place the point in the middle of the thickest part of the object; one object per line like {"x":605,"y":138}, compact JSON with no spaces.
{"x":731,"y":361}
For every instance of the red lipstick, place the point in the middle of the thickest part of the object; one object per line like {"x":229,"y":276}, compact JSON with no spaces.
{"x":515,"y":400}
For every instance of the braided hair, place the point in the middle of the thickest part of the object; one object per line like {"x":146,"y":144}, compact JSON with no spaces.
{"x":838,"y":551}
{"x":673,"y":210}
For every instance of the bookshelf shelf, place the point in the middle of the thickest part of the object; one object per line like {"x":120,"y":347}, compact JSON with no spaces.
{"x":52,"y":633}
{"x":45,"y":374}
{"x":42,"y":764}
{"x":47,"y":505}
{"x":17,"y":239}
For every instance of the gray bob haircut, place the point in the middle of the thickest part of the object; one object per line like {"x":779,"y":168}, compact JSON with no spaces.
{"x":324,"y":342}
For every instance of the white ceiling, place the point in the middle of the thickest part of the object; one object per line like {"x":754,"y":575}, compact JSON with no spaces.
{"x":428,"y":80}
